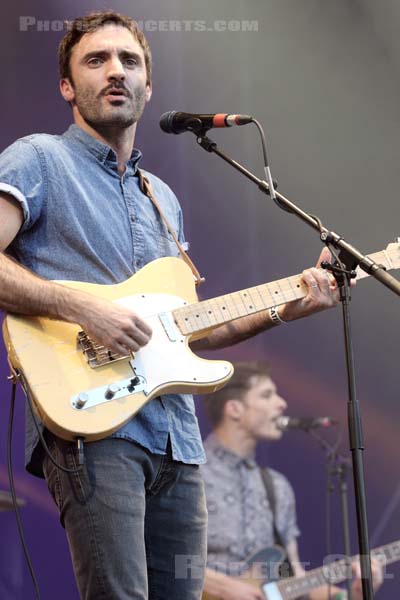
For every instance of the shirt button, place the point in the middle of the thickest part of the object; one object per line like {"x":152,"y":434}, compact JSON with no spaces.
{"x":133,"y":219}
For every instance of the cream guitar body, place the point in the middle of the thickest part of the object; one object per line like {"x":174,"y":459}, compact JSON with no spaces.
{"x":58,"y":374}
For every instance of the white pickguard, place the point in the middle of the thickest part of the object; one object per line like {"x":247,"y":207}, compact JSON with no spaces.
{"x":163,"y":361}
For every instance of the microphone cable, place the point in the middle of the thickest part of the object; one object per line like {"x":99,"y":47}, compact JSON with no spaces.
{"x":17,"y":375}
{"x":13,"y":494}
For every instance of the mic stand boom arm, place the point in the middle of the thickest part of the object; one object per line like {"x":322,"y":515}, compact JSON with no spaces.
{"x":350,"y":257}
{"x":327,"y":237}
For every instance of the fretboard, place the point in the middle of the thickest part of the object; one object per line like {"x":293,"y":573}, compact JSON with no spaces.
{"x":208,"y":314}
{"x":334,"y":573}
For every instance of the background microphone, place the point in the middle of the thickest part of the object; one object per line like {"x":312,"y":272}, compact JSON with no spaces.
{"x":284,"y":423}
{"x":178,"y":122}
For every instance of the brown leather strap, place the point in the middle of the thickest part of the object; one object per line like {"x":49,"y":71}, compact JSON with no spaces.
{"x":147,"y":189}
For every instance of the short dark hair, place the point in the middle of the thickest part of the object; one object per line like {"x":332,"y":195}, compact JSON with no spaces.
{"x":236,"y":388}
{"x":91,"y":22}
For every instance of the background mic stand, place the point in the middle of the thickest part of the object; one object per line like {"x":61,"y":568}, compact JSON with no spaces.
{"x":343,"y":490}
{"x":346,"y":264}
{"x":338,"y":466}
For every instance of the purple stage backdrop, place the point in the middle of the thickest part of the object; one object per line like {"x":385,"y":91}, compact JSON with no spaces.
{"x":323,"y":78}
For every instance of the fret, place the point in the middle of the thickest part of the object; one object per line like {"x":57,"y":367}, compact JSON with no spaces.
{"x":295,"y":287}
{"x":248,"y":304}
{"x":227,"y":306}
{"x":274,"y":293}
{"x":286,"y":290}
{"x":267,"y":287}
{"x":194,"y":314}
{"x":209,"y":311}
{"x":281,"y":286}
{"x":298,"y":288}
{"x":257,"y":290}
{"x":254,"y":302}
{"x":221,"y":311}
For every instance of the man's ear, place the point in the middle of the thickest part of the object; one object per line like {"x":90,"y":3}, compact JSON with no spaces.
{"x":234,"y":409}
{"x":67,"y":90}
{"x":149,"y":91}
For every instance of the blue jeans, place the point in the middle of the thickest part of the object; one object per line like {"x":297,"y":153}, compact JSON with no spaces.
{"x":135,"y":521}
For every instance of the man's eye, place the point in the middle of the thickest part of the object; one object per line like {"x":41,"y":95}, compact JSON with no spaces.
{"x":131,"y":62}
{"x":94,"y":62}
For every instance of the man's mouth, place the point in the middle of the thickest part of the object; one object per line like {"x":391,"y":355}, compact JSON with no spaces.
{"x":116,"y":93}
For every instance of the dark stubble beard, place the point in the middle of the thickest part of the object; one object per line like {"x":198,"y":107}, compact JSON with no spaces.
{"x":122,"y":116}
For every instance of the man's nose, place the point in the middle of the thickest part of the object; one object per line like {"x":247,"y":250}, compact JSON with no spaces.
{"x":282,"y":403}
{"x":116,"y":70}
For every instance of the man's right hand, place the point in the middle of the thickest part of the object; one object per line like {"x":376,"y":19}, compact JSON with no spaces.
{"x":236,"y":589}
{"x":21,"y":291}
{"x":114,"y":326}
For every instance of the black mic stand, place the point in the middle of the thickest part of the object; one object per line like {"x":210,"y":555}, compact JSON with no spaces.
{"x":343,"y":269}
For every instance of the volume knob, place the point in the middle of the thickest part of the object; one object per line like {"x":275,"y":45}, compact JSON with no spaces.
{"x":82,"y":399}
{"x":112,"y":389}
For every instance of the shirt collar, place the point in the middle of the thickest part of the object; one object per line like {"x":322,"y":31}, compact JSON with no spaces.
{"x":101,"y":151}
{"x":231,"y":459}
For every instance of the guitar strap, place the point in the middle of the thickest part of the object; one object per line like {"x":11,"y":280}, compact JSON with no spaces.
{"x":146,"y":188}
{"x":286,"y":569}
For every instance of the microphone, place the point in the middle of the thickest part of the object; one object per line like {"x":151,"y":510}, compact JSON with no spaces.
{"x":284,"y":423}
{"x":178,"y":122}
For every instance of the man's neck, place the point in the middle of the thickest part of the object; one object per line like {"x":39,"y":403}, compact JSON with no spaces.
{"x":121,"y":140}
{"x":235,"y":440}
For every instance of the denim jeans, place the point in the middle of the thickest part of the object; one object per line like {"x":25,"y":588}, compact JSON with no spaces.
{"x":135,"y":521}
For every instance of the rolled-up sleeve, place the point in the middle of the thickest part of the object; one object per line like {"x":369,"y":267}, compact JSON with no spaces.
{"x":22,"y":175}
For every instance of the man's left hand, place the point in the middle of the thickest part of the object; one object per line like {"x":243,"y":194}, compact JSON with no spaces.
{"x":377,"y":578}
{"x":323,"y":292}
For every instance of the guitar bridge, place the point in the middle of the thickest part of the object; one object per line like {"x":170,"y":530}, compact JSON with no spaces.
{"x":96,"y":354}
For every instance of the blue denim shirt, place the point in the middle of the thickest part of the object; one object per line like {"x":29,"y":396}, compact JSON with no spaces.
{"x":83,"y":221}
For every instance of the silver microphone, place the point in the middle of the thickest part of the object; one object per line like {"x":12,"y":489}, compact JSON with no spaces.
{"x":284,"y":423}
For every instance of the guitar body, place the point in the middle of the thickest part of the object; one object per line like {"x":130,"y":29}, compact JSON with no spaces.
{"x":56,"y":371}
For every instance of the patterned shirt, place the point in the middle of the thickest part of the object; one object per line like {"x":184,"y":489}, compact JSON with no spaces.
{"x":84,"y":221}
{"x":239,"y":516}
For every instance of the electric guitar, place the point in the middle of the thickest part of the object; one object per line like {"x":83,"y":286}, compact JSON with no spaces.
{"x":81,"y":389}
{"x":267,"y":560}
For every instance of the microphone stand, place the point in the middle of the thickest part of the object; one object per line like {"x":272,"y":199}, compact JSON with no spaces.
{"x":339,"y":470}
{"x":343,"y":269}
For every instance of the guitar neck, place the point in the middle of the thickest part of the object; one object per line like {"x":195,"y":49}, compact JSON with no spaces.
{"x":205,"y":315}
{"x":335,"y":572}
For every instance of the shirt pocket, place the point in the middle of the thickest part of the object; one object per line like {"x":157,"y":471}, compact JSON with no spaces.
{"x":165,"y":242}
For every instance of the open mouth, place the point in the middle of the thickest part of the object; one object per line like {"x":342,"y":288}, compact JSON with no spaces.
{"x":115,"y":94}
{"x":277,"y":421}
